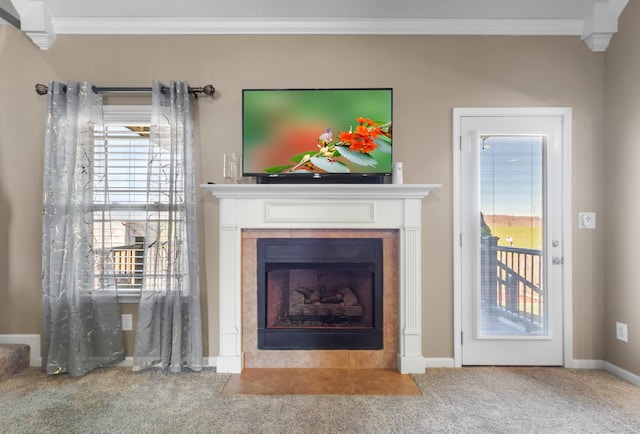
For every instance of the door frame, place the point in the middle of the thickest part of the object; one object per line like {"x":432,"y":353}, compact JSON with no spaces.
{"x":565,"y":114}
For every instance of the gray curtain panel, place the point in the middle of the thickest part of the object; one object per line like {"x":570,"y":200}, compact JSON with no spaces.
{"x":81,"y":321}
{"x":169,"y":328}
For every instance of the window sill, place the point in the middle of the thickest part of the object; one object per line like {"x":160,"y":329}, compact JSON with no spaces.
{"x":128,"y":296}
{"x":133,"y":295}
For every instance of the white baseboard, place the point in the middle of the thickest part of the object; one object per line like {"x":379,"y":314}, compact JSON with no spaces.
{"x":609,"y":367}
{"x":622,"y":373}
{"x":35,"y":359}
{"x":439,"y":362}
{"x":209,"y":362}
{"x":585,"y":364}
{"x":444,"y":362}
{"x":126,"y":363}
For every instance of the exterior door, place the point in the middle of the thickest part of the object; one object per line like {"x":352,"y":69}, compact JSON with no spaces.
{"x":511,"y":254}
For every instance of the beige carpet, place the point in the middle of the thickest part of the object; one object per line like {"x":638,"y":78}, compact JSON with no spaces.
{"x":13,"y":358}
{"x":467,"y":400}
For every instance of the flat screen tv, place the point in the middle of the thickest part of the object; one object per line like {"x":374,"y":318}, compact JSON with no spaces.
{"x":338,"y":135}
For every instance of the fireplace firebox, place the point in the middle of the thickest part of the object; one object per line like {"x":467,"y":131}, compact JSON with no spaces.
{"x":319,"y":293}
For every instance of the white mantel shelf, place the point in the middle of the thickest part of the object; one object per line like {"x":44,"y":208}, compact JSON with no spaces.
{"x":320,"y":206}
{"x":345,"y":191}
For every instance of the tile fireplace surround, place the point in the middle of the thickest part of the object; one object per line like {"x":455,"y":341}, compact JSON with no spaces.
{"x":249,"y":211}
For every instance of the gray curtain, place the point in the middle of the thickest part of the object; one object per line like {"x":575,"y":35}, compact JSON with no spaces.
{"x":169,"y":328}
{"x":81,"y":321}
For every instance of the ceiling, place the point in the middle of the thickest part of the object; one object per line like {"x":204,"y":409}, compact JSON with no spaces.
{"x":595,"y":21}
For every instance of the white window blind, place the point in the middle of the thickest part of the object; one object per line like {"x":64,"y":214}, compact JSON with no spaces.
{"x":129,"y":212}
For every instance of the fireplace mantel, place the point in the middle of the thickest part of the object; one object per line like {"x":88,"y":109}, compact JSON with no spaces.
{"x":320,"y":206}
{"x":413,"y":191}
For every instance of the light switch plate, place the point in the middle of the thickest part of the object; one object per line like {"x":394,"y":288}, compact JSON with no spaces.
{"x":586,"y":220}
{"x":621,"y":332}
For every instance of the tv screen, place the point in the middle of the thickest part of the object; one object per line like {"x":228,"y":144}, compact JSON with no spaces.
{"x":316,"y":132}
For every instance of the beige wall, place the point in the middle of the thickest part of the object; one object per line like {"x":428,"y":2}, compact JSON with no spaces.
{"x":622,"y":233}
{"x":430,"y":76}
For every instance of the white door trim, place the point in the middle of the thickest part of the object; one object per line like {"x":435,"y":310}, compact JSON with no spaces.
{"x":567,"y":303}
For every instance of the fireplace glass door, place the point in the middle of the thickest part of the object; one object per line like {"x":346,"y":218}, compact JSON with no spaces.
{"x":319,"y":293}
{"x":329,"y":296}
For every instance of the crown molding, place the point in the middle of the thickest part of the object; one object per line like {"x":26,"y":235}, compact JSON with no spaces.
{"x":323,"y":26}
{"x":595,"y":30}
{"x":36,"y":22}
{"x":602,"y":23}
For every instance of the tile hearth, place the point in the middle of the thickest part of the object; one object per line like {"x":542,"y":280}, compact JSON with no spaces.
{"x":387,"y":382}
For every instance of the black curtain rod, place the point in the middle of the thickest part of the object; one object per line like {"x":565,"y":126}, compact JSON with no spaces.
{"x":42,"y":89}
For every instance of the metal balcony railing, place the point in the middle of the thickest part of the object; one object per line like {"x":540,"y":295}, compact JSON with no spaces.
{"x":512,"y":283}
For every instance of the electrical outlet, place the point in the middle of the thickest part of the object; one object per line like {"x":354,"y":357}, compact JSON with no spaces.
{"x":127,"y":322}
{"x":621,"y":332}
{"x":586,"y":220}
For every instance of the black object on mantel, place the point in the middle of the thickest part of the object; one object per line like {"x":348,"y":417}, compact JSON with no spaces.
{"x":329,"y":178}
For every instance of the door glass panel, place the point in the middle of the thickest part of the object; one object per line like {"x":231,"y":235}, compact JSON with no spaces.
{"x":512,"y":299}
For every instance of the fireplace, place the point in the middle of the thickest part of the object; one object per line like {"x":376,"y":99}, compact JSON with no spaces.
{"x":249,"y":212}
{"x":320,"y":294}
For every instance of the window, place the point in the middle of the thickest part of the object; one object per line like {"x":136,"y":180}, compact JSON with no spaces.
{"x":128,"y":212}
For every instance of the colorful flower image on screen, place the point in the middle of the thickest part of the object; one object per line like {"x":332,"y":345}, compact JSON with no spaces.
{"x":294,"y":131}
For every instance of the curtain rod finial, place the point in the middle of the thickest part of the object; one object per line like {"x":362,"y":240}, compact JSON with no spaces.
{"x":41,"y":89}
{"x":209,"y":90}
